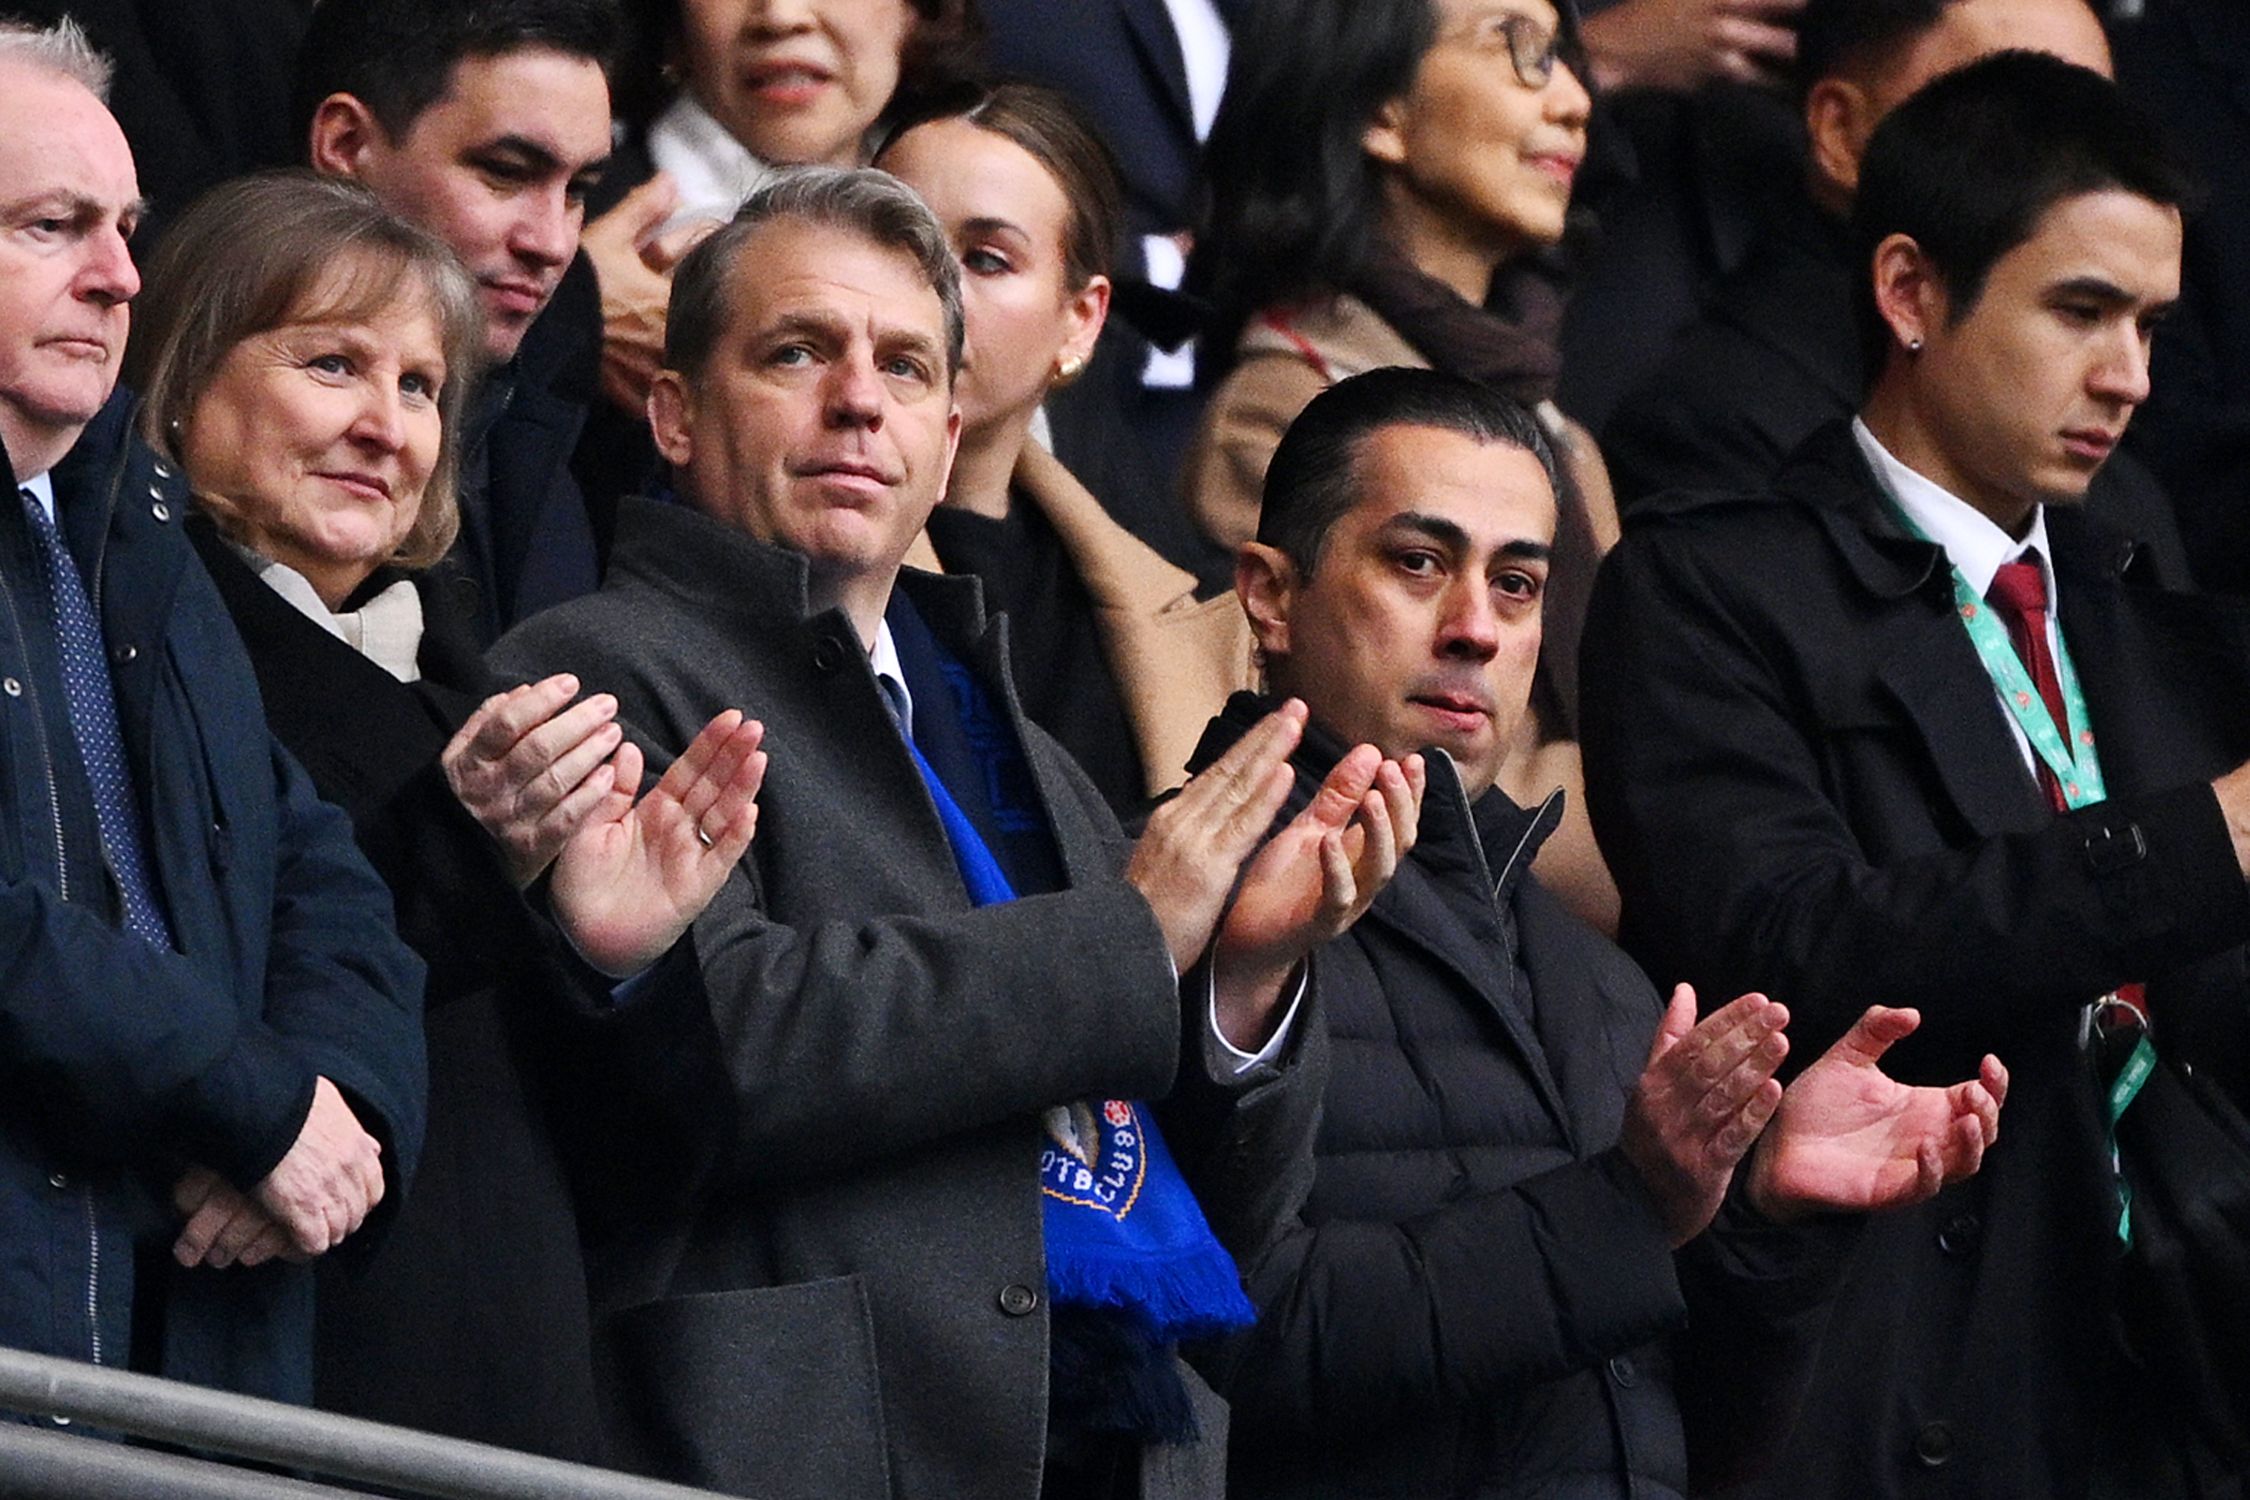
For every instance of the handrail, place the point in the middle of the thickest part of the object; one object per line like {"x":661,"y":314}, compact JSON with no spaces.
{"x":36,"y":1465}
{"x":293,"y":1437}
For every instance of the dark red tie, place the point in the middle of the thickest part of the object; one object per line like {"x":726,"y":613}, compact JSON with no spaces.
{"x":2019,"y":593}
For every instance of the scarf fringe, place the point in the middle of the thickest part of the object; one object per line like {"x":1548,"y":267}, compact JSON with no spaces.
{"x":1179,"y":1297}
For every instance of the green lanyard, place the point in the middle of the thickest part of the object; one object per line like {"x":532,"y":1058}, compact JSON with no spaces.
{"x":2123,"y":1092}
{"x":2077,"y":769}
{"x":2079,"y":774}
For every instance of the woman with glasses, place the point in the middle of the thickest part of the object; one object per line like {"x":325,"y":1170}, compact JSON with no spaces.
{"x":1386,"y":180}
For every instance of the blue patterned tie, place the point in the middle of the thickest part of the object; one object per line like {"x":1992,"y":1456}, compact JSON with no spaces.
{"x":92,"y":700}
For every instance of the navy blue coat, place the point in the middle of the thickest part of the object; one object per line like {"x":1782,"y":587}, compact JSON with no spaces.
{"x":121,"y":1065}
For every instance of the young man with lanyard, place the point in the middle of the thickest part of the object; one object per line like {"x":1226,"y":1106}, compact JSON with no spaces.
{"x":1914,"y":728}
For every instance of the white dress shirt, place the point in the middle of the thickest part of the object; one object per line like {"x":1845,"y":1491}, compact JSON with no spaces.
{"x":713,"y":170}
{"x":41,"y":488}
{"x":1974,"y":543}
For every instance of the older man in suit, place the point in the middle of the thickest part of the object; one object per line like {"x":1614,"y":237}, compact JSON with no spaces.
{"x":886,"y":1216}
{"x":1915,"y":728}
{"x":211,"y":1060}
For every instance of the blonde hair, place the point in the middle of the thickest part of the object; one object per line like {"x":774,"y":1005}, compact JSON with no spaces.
{"x":248,"y":256}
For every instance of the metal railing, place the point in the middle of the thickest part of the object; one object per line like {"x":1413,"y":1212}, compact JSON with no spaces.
{"x":41,"y":1464}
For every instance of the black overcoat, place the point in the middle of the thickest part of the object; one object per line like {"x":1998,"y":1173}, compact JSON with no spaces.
{"x":1805,"y":784}
{"x":471,"y":1319}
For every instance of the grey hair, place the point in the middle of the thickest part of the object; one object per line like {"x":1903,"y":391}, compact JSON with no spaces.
{"x":872,"y":204}
{"x":62,"y":49}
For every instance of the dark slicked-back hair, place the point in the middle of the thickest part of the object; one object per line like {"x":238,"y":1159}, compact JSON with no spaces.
{"x":1833,"y":35}
{"x":1968,"y":166}
{"x":397,"y":56}
{"x":1314,"y":477}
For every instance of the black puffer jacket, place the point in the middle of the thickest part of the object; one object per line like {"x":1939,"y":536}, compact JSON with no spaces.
{"x":1477,"y":1294}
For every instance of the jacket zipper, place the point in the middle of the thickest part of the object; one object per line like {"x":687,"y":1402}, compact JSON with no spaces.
{"x":93,"y":1274}
{"x":62,"y":882}
{"x":93,"y":1225}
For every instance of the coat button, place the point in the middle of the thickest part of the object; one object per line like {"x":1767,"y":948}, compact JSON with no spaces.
{"x":827,"y":656}
{"x":126,"y":654}
{"x":57,"y":1180}
{"x":1959,"y":1236}
{"x":163,"y":469}
{"x":1933,"y":1445}
{"x":160,"y":510}
{"x":11,"y":687}
{"x":1017,"y":1300}
{"x":1623,"y":1371}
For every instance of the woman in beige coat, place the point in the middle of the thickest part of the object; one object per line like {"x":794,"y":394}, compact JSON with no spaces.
{"x":1112,"y":652}
{"x":1386,"y":178}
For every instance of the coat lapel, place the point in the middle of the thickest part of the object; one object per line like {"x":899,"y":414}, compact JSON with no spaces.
{"x":1159,"y":45}
{"x":1922,"y":660}
{"x":1933,"y":674}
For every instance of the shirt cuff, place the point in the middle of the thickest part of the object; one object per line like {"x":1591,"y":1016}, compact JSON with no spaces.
{"x":1245,"y":1061}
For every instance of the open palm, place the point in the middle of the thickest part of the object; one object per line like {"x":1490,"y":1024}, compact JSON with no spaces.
{"x":1849,"y":1138}
{"x":631,"y":880}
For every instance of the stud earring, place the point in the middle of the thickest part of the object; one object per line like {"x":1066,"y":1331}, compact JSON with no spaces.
{"x":1914,"y":346}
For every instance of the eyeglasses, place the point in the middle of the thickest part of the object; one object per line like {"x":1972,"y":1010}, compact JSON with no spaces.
{"x":1532,"y":49}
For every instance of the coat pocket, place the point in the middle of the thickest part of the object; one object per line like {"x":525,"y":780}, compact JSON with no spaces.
{"x":768,"y":1391}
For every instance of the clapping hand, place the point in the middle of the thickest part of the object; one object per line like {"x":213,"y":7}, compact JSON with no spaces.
{"x":639,"y":871}
{"x":1310,"y":882}
{"x":1706,"y":1093}
{"x":1849,"y":1138}
{"x":530,"y":766}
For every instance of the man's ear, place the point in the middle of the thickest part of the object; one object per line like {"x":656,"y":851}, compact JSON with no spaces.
{"x":1385,"y":136}
{"x":1839,"y":117}
{"x":344,"y":134}
{"x":1265,"y":580}
{"x":1909,"y":293}
{"x":670,"y":418}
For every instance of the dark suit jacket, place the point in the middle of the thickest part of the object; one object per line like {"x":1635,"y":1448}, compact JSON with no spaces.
{"x":1121,"y":60}
{"x":2188,"y":63}
{"x":530,"y":535}
{"x":482,"y":1260}
{"x":816,"y":1244}
{"x":1774,"y":357}
{"x":1805,"y":785}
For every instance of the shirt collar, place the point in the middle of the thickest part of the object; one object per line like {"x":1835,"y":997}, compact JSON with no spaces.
{"x":884,"y":659}
{"x":713,"y":170}
{"x":1971,"y":539}
{"x":42,"y":488}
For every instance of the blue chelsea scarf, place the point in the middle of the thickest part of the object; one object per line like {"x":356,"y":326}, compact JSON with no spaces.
{"x":1126,"y":1240}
